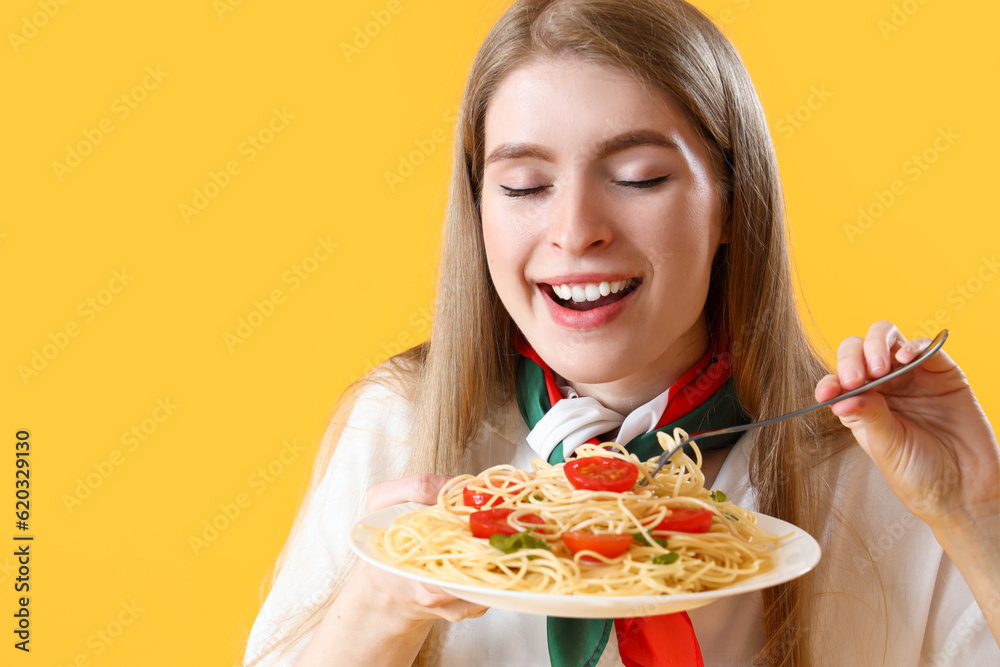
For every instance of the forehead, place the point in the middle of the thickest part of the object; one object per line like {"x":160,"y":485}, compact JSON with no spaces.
{"x":572,"y":105}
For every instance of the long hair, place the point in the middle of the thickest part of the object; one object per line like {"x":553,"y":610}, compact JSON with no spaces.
{"x":467,"y":365}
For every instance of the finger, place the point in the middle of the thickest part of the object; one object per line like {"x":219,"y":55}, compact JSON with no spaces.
{"x":445,"y":605}
{"x":882,"y":341}
{"x":432,"y":597}
{"x":872,"y":423}
{"x":848,"y":408}
{"x":940,"y":362}
{"x":828,"y":387}
{"x":459,"y":611}
{"x":417,"y":489}
{"x":850,"y":362}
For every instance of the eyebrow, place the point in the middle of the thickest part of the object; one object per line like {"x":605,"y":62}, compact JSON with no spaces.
{"x":607,"y":147}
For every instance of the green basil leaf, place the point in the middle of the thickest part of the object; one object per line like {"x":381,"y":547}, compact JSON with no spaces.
{"x":732,"y":516}
{"x":641,"y":539}
{"x":666,"y":559}
{"x":529,"y":541}
{"x":718,"y":496}
{"x":502,"y":542}
{"x":511,"y":543}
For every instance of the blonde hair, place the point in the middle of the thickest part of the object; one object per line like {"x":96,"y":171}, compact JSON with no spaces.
{"x":468,"y":363}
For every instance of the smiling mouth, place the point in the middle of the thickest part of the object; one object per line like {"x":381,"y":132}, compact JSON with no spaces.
{"x":588,"y":296}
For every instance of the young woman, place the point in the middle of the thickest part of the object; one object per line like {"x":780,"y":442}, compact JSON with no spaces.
{"x":615,"y":232}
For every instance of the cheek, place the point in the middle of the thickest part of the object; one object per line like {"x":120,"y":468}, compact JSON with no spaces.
{"x":696,"y":227}
{"x":501,"y":254}
{"x":508,"y":240}
{"x":679,"y":237}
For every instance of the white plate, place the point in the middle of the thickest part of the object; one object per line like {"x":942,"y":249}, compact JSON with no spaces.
{"x":795,"y":556}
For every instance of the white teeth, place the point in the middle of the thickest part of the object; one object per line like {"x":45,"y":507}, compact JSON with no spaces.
{"x":580,"y":292}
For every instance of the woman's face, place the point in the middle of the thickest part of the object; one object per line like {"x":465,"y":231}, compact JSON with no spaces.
{"x":601,"y":219}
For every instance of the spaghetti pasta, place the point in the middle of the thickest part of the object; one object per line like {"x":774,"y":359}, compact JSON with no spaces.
{"x":544,"y":509}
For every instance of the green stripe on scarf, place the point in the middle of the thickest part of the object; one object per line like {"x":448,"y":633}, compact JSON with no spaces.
{"x":579,"y":642}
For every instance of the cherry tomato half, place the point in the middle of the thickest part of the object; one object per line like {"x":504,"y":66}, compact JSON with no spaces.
{"x":485,"y":523}
{"x":479,"y":498}
{"x":687,"y":520}
{"x":609,"y":545}
{"x":601,"y":473}
{"x":476,"y":498}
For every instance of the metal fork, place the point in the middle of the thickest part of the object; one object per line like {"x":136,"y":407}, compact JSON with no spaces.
{"x":906,"y":368}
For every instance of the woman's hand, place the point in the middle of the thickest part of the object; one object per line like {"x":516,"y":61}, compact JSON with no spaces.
{"x":925,"y":430}
{"x":414,"y":489}
{"x":380,"y":619}
{"x":930,"y":439}
{"x":414,"y":601}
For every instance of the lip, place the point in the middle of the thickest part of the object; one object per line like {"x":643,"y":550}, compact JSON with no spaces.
{"x":582,"y":320}
{"x":585,"y":278}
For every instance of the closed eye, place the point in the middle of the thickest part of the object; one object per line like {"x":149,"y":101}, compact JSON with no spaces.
{"x":525,"y":192}
{"x":649,"y":183}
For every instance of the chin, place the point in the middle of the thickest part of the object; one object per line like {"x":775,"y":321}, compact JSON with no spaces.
{"x":588,"y":370}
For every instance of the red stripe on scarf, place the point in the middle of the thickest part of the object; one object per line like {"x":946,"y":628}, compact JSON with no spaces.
{"x":658,"y":641}
{"x":524,"y":347}
{"x":696,"y":386}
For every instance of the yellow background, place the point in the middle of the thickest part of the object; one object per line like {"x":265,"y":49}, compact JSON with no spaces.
{"x":867,"y":85}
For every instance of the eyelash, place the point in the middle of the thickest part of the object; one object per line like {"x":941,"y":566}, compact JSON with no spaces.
{"x":527,"y":192}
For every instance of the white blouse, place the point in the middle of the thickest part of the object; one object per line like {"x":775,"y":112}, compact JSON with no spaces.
{"x":927,"y":615}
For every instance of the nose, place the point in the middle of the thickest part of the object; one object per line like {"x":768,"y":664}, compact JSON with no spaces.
{"x":578,"y":222}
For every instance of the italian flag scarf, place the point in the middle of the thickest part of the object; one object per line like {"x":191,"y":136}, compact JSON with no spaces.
{"x":702,"y":399}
